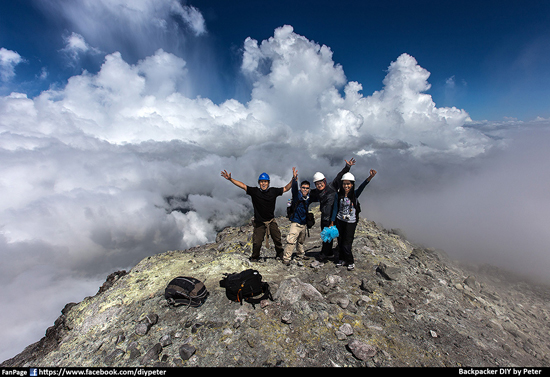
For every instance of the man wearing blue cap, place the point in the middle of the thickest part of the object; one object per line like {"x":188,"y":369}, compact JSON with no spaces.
{"x":263,"y":201}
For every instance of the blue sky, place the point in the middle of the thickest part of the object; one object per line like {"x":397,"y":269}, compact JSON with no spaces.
{"x":496,"y":52}
{"x":490,"y":58}
{"x":117,"y":116}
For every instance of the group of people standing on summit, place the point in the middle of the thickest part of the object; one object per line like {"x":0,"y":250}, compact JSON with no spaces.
{"x":338,"y":205}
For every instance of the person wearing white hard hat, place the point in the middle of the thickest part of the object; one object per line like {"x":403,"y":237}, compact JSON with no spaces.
{"x":263,"y":201}
{"x":324,"y":194}
{"x":345,"y":215}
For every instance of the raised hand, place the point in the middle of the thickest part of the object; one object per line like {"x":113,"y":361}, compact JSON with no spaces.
{"x":350,"y":162}
{"x":226,"y":175}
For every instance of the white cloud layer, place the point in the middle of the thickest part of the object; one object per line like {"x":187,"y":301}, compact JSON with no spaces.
{"x":119,"y":165}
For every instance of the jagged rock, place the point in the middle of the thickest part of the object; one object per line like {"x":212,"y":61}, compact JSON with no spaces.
{"x":287,"y":317}
{"x":316,"y":264}
{"x":388,"y":273}
{"x":120,"y":338}
{"x":111,"y":279}
{"x":361,"y":350}
{"x":340,"y":335}
{"x":346,"y":329}
{"x":186,"y":351}
{"x":332,"y":281}
{"x":294,"y":290}
{"x":367,"y":285}
{"x":133,"y":351}
{"x":471,"y":283}
{"x":166,"y":340}
{"x":513,"y":329}
{"x":386,"y":304}
{"x":363,"y":301}
{"x":152,"y":354}
{"x":418,"y":307}
{"x":113,"y":356}
{"x":142,"y":328}
{"x":340,"y":299}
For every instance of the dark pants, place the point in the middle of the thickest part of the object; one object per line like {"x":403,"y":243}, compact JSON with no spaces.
{"x":345,"y":240}
{"x":258,"y":237}
{"x":326,"y":248}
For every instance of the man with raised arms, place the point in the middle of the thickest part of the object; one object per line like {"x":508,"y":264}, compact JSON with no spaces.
{"x":263,"y":200}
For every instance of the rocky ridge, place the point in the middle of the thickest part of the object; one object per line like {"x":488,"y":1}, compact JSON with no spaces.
{"x":403,"y":305}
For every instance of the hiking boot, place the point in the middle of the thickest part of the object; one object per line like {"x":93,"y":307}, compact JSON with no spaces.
{"x":351,"y":266}
{"x":340,"y":263}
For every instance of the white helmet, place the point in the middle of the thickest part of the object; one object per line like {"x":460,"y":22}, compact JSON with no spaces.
{"x":348,"y":177}
{"x":318,"y":177}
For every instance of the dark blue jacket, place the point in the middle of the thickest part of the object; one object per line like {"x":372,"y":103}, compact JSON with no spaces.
{"x":301,"y":205}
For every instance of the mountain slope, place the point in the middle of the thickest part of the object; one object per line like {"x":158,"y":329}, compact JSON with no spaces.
{"x":403,"y":305}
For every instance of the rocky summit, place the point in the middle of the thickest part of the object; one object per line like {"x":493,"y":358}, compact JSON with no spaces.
{"x":402,"y":305}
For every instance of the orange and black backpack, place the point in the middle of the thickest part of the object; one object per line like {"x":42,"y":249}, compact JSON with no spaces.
{"x":246,"y":286}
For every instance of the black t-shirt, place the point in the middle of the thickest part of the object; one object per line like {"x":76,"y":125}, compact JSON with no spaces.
{"x":264,"y":202}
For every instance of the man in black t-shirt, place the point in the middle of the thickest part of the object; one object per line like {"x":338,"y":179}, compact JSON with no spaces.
{"x":263,"y":201}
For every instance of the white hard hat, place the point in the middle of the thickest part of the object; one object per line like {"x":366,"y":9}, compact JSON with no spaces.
{"x":348,"y":177}
{"x":318,"y":177}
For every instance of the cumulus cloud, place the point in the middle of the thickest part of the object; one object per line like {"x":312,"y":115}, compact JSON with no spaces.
{"x":121,"y":164}
{"x":8,"y":60}
{"x":296,"y":84}
{"x":112,"y":146}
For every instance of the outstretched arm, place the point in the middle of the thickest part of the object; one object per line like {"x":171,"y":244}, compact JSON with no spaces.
{"x":227,"y":176}
{"x":372,"y":174}
{"x":294,"y":177}
{"x":366,"y":182}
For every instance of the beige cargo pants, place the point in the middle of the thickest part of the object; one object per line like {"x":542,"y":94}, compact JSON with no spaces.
{"x":295,"y":238}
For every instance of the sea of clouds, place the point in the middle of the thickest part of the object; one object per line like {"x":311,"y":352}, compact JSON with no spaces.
{"x":121,"y":164}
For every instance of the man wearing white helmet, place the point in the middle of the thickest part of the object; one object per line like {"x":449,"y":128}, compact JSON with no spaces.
{"x":346,"y":215}
{"x":263,"y":201}
{"x":324,"y":194}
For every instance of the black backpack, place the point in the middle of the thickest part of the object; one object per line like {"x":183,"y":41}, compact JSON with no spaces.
{"x":291,"y":208}
{"x":246,"y":286}
{"x":185,"y":290}
{"x":310,"y":220}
